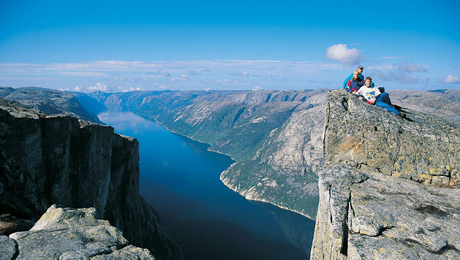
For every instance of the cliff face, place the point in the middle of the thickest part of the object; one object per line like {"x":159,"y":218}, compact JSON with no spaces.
{"x":65,"y":233}
{"x":59,"y":160}
{"x":380,"y":195}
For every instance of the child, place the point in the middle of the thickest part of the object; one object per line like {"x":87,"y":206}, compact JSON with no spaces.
{"x":372,"y":95}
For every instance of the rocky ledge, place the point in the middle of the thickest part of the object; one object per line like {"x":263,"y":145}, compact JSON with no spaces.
{"x":65,"y":233}
{"x":390,"y":187}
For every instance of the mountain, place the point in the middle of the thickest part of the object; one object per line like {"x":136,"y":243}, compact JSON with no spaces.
{"x":58,"y":159}
{"x":51,"y":101}
{"x":390,"y":185}
{"x":441,"y":102}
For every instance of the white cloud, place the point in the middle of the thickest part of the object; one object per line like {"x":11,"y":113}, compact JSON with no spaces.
{"x":151,"y":75}
{"x":451,"y":79}
{"x":99,"y":86}
{"x":394,"y":57}
{"x":342,"y":54}
{"x":407,"y":67}
{"x":78,"y":88}
{"x":164,"y":73}
{"x":83,"y":73}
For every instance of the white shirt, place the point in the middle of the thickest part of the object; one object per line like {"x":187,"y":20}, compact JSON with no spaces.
{"x":368,"y":93}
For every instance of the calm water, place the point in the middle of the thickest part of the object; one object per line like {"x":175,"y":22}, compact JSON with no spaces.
{"x":180,"y":179}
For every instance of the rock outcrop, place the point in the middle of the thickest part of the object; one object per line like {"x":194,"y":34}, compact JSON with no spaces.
{"x":58,"y":159}
{"x":65,"y":233}
{"x":389,"y":190}
{"x":423,"y":148}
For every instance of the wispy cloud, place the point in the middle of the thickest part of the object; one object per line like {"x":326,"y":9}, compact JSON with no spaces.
{"x":197,"y":74}
{"x":394,"y":57}
{"x":83,"y":73}
{"x":344,"y":55}
{"x":402,"y":73}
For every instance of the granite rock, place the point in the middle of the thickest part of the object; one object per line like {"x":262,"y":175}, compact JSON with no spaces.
{"x":423,"y":147}
{"x":65,"y":233}
{"x":8,"y":248}
{"x":374,"y":216}
{"x":382,"y":194}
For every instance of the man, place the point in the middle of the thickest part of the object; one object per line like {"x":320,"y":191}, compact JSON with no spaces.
{"x":355,"y":83}
{"x":361,"y":76}
{"x":373,"y":96}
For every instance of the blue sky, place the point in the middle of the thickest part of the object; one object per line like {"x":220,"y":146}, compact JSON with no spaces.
{"x":153,"y":45}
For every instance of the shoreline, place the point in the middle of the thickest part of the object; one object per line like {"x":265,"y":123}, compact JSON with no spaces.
{"x":221,"y":174}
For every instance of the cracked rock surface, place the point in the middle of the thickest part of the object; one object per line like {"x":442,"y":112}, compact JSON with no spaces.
{"x":368,"y":208}
{"x":65,"y":233}
{"x":374,"y":216}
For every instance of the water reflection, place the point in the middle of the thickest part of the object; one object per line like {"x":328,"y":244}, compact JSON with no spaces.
{"x":297,"y":229}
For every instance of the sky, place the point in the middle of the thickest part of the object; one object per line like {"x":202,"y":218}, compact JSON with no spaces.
{"x":223,"y":45}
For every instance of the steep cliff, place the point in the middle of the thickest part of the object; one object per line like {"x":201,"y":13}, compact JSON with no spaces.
{"x":390,"y":187}
{"x":65,"y":233}
{"x":58,"y":159}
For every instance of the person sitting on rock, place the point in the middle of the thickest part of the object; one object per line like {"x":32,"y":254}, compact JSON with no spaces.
{"x":361,"y":76}
{"x":373,"y":96}
{"x":355,"y":83}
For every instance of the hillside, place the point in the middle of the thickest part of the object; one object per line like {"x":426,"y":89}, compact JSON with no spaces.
{"x":50,"y":102}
